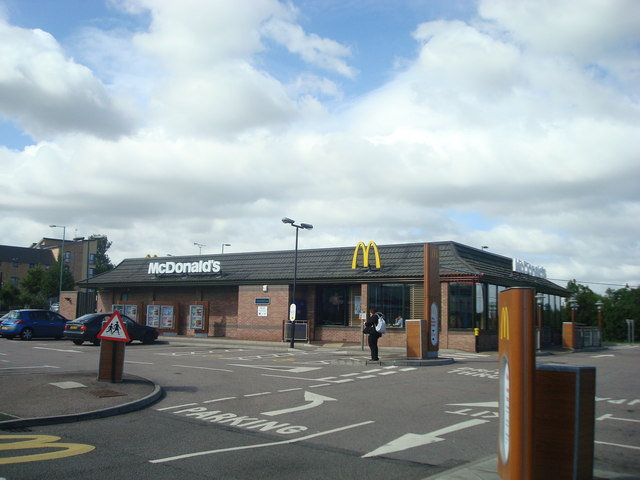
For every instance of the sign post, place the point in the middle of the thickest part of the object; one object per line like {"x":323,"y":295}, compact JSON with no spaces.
{"x":432,"y":297}
{"x":517,"y":363}
{"x":114,"y":336}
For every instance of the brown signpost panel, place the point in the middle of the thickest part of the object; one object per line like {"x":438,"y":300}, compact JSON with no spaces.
{"x":565,"y":422}
{"x":517,"y":362}
{"x":416,"y":339}
{"x":432,"y":298}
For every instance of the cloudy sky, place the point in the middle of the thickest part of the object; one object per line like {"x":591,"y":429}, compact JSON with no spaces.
{"x":161,"y":124}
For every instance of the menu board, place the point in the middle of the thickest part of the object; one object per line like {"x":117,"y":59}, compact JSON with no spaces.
{"x":196,"y":317}
{"x":166,"y":316}
{"x":153,"y":315}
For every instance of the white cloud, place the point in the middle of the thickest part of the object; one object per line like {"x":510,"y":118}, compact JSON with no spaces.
{"x":502,"y":131}
{"x":48,"y":94}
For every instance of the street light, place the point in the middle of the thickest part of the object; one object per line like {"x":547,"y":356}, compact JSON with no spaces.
{"x":224,"y":245}
{"x":539,"y":300}
{"x":573,"y":303}
{"x":199,"y":245}
{"x":64,"y":230}
{"x":599,"y":305}
{"x":292,"y":309}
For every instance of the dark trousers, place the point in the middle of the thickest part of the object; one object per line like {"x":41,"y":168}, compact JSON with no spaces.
{"x":373,"y":345}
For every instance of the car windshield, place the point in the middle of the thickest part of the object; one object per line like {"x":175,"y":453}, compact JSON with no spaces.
{"x":14,"y":314}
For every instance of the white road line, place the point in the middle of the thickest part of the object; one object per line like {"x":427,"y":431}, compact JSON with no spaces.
{"x":176,"y":406}
{"x":203,"y":368}
{"x":289,"y":390}
{"x":138,"y":363}
{"x":319,"y":385}
{"x":617,"y":445}
{"x":367,"y":376}
{"x":257,"y":394}
{"x":260,"y":445}
{"x":349,"y":374}
{"x":38,"y":366}
{"x":388,"y":373}
{"x":219,"y":399}
{"x":57,"y":349}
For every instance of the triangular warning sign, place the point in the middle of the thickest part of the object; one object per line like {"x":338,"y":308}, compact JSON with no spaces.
{"x":114,"y":329}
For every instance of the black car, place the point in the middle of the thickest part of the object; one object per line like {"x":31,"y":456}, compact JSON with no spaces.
{"x":87,"y":327}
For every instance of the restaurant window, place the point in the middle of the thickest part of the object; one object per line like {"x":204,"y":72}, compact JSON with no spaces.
{"x":397,"y":302}
{"x":339,"y":305}
{"x":461,"y":305}
{"x":480,"y":312}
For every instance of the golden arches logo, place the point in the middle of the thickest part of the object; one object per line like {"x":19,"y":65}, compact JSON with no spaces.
{"x":504,"y":323}
{"x":49,"y":443}
{"x":365,"y":255}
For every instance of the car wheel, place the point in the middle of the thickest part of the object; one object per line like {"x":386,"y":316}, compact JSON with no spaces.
{"x":148,"y":338}
{"x":78,"y":342}
{"x":27,"y":334}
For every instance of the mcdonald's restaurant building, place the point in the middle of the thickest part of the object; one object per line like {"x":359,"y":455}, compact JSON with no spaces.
{"x":247,"y":295}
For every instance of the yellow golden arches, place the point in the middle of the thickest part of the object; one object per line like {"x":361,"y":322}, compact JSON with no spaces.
{"x":504,"y":323}
{"x":365,"y":255}
{"x":30,"y":442}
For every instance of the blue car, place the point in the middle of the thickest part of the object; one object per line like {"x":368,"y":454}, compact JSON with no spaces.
{"x":29,"y":323}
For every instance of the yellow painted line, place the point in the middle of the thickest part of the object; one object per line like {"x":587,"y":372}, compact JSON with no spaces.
{"x":28,"y":442}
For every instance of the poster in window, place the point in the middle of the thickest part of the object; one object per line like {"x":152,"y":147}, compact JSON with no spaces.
{"x":117,"y":308}
{"x":196,"y":317}
{"x":153,"y":315}
{"x":131,"y":311}
{"x":166,"y":316}
{"x":357,"y":304}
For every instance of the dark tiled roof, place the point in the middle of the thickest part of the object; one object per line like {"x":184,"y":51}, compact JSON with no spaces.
{"x":34,"y":256}
{"x":403,"y":262}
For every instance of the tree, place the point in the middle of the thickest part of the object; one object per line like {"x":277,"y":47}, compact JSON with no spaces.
{"x":587,"y":313}
{"x":102,"y":263}
{"x":9,"y":297}
{"x":51,"y":281}
{"x":620,"y":305}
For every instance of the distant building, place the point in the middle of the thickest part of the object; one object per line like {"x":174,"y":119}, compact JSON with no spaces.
{"x":79,"y":259}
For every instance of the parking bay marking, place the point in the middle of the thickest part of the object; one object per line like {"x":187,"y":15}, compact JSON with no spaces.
{"x":261,"y":445}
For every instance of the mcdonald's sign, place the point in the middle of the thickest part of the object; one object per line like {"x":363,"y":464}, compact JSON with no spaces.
{"x":365,"y":255}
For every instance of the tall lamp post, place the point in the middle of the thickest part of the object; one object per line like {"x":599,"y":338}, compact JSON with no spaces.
{"x":573,"y":303}
{"x":64,"y":230}
{"x":599,"y":305}
{"x":292,"y":309}
{"x":224,"y":245}
{"x":539,"y":300}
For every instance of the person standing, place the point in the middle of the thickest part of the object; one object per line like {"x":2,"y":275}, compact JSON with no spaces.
{"x":370,"y":329}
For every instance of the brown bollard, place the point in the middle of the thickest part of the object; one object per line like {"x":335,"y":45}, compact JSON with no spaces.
{"x":517,"y":363}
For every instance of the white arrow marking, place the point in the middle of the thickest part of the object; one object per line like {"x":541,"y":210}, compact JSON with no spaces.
{"x":481,"y":404}
{"x":279,"y":368}
{"x":314,"y":400}
{"x":609,"y":416}
{"x":411,"y":440}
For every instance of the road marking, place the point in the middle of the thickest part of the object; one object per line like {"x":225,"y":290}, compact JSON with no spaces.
{"x":289,"y":390}
{"x":603,"y":355}
{"x":481,"y":404}
{"x":608,"y":416}
{"x":261,"y":445}
{"x":366,"y":376}
{"x":31,"y":442}
{"x":411,"y":440}
{"x":57,"y":349}
{"x":617,"y":445}
{"x":138,"y":363}
{"x":218,"y":400}
{"x":203,"y":368}
{"x":279,"y":368}
{"x":314,"y":400}
{"x":257,"y":394}
{"x":176,"y":406}
{"x":18,"y":368}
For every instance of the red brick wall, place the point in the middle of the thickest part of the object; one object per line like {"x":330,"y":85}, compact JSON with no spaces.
{"x":252,"y":327}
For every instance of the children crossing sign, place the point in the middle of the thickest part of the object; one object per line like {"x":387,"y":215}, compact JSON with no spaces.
{"x":114,"y":329}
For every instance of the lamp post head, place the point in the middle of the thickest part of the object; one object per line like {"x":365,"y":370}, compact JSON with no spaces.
{"x":599,"y":305}
{"x":288,"y":220}
{"x":540,"y":298}
{"x":306,"y":226}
